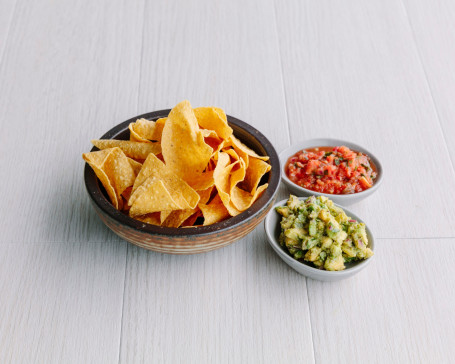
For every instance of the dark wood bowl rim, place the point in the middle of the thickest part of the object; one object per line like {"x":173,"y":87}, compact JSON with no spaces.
{"x":97,"y":196}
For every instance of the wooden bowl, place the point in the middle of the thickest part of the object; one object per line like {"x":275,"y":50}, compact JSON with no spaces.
{"x":187,"y":240}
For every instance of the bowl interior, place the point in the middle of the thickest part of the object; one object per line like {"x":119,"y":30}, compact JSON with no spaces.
{"x":273,"y":229}
{"x":328,"y":142}
{"x":244,"y":132}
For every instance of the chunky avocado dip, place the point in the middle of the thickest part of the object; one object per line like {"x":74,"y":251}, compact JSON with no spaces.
{"x":319,"y":232}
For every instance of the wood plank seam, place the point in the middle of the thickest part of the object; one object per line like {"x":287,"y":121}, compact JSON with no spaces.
{"x":2,"y":51}
{"x":309,"y":314}
{"x":419,"y":56}
{"x":140,"y":60}
{"x":282,"y":75}
{"x":123,"y":303}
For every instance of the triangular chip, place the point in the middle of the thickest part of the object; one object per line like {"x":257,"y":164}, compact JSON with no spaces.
{"x":177,"y":217}
{"x":136,"y":165}
{"x":183,"y":147}
{"x":239,"y":145}
{"x":164,"y":214}
{"x":205,"y":195}
{"x":154,"y":197}
{"x":256,"y":169}
{"x":95,"y":160}
{"x":136,"y":150}
{"x":142,"y":130}
{"x":237,"y":175}
{"x":182,"y":193}
{"x":114,"y":170}
{"x":119,"y":170}
{"x":222,"y":181}
{"x":243,"y":200}
{"x":214,"y":211}
{"x":209,"y":118}
{"x":153,"y":218}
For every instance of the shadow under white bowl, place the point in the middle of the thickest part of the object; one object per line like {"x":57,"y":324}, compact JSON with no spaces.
{"x":273,"y":229}
{"x":343,"y":200}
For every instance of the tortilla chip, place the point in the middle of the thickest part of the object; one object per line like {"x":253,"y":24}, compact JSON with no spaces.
{"x":154,"y":197}
{"x":95,"y":160}
{"x":144,"y":130}
{"x":136,"y":165}
{"x":237,"y":175}
{"x":116,"y":167}
{"x":119,"y":170}
{"x":256,"y":169}
{"x":192,"y":219}
{"x":222,"y":181}
{"x":136,"y":150}
{"x":203,"y":181}
{"x":216,"y":150}
{"x":243,"y":200}
{"x":164,"y":214}
{"x":239,"y":145}
{"x":205,"y":195}
{"x":184,"y":149}
{"x":180,"y":191}
{"x":214,"y":211}
{"x":177,"y":217}
{"x":232,"y":153}
{"x":209,"y":118}
{"x":209,"y":134}
{"x":153,"y":218}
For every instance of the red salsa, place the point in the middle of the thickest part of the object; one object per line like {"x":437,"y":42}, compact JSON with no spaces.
{"x":335,"y":170}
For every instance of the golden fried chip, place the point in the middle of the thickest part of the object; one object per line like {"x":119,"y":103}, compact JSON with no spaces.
{"x":214,"y":211}
{"x":144,"y":130}
{"x":256,"y":169}
{"x":222,"y":181}
{"x":243,"y":200}
{"x":181,"y":192}
{"x":237,"y":175}
{"x":205,"y":195}
{"x":209,"y":134}
{"x":153,"y":197}
{"x":164,"y":214}
{"x":210,"y":118}
{"x":159,"y":126}
{"x":153,"y":218}
{"x":119,"y":170}
{"x":183,"y":147}
{"x":115,"y":165}
{"x":136,"y":165}
{"x":95,"y":160}
{"x":192,"y":219}
{"x":239,"y":145}
{"x":203,"y":181}
{"x":177,"y":217}
{"x":136,"y":150}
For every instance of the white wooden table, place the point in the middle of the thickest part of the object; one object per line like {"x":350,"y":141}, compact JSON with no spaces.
{"x":378,"y":73}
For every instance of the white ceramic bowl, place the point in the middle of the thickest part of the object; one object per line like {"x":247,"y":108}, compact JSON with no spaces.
{"x":326,"y":142}
{"x":273,"y":229}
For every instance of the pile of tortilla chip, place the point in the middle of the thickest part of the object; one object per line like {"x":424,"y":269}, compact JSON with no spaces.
{"x":184,"y":170}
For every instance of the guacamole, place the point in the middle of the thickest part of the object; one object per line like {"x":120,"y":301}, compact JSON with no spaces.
{"x":317,"y":231}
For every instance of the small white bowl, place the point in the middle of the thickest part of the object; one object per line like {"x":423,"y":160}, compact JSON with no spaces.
{"x":273,"y":229}
{"x":326,"y":142}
